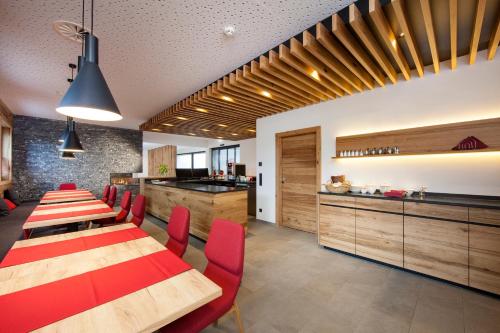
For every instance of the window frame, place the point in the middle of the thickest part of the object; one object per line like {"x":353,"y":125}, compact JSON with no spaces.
{"x":219,"y":149}
{"x":192,"y":157}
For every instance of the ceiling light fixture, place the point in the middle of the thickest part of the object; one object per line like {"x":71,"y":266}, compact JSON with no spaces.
{"x":221,"y":125}
{"x":227,"y":98}
{"x":191,"y":134}
{"x":205,"y":130}
{"x":169,"y":125}
{"x":201,"y":110}
{"x":234,"y":134}
{"x":72,"y":141}
{"x":182,"y":118}
{"x":251,"y":130}
{"x":220,"y":137}
{"x":156,"y":129}
{"x":66,"y":155}
{"x":229,"y":30}
{"x":315,"y":75}
{"x":89,"y":96}
{"x":68,"y":119}
{"x":266,"y":94}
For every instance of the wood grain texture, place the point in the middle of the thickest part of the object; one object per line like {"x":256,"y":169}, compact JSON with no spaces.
{"x":486,"y":216}
{"x":298,"y":178}
{"x":431,"y":35}
{"x":392,"y":206}
{"x":337,"y":228}
{"x":163,"y":155}
{"x":438,"y":139}
{"x":337,"y":200}
{"x":476,"y":30}
{"x":446,"y":212}
{"x":379,"y":236}
{"x":204,"y":207}
{"x":484,"y":258}
{"x":453,"y":33}
{"x":494,"y":39}
{"x":437,"y":248}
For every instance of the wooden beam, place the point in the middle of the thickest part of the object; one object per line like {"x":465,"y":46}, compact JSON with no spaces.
{"x":349,"y":41}
{"x":476,"y":30}
{"x":402,"y":18}
{"x":329,"y":42}
{"x":494,"y":38}
{"x":453,"y":33}
{"x":431,"y":36}
{"x":388,"y":36}
{"x":359,"y":25}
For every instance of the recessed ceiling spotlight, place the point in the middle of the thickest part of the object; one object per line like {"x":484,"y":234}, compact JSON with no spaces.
{"x":266,"y":94}
{"x":315,"y":75}
{"x":156,"y":129}
{"x":220,"y":137}
{"x":167,"y":124}
{"x":205,"y":130}
{"x":401,"y":35}
{"x":227,"y":98}
{"x":182,"y":118}
{"x":191,"y":134}
{"x":229,"y":30}
{"x":234,"y":134}
{"x":222,"y":125}
{"x":201,"y":110}
{"x":251,"y":130}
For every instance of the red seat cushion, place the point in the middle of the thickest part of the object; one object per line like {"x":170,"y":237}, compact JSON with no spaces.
{"x":178,"y":230}
{"x":67,"y":186}
{"x":138,"y":210}
{"x":10,"y":204}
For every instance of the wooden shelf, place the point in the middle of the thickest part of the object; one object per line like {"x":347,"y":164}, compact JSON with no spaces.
{"x":438,"y":139}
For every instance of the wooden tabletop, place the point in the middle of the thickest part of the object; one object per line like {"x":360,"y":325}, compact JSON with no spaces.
{"x":145,"y":310}
{"x":62,"y":213}
{"x":66,"y":196}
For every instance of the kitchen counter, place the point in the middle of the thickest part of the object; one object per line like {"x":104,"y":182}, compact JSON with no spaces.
{"x":477,"y":201}
{"x":207,"y":188}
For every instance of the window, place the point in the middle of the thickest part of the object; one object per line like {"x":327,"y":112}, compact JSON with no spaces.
{"x":223,"y":155}
{"x":195,"y":160}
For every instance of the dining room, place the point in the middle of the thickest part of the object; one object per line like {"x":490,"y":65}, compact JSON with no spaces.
{"x":250,"y":166}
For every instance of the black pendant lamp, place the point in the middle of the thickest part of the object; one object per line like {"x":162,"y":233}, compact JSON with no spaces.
{"x":66,"y":155}
{"x":66,"y":131}
{"x":72,"y":141}
{"x":89,"y":96}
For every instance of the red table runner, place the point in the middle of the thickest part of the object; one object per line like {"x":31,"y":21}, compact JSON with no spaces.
{"x":22,"y":255}
{"x":39,"y":306}
{"x":67,"y":196}
{"x":68,"y":205}
{"x":54,"y":216}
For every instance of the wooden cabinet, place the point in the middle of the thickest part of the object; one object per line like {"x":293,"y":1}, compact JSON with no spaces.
{"x":338,"y":200}
{"x":337,"y":228}
{"x":385,"y":205}
{"x":379,"y":236}
{"x":435,"y":247}
{"x":486,"y":216}
{"x":484,"y":258}
{"x":447,"y":212}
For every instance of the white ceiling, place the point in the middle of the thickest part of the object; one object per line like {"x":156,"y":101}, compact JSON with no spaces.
{"x":152,"y":53}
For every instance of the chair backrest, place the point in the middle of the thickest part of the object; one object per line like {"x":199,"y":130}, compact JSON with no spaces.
{"x":112,"y":197}
{"x":178,"y":230}
{"x":67,"y":186}
{"x":105,"y":194}
{"x":225,"y":251}
{"x":126,"y":201}
{"x":138,"y":210}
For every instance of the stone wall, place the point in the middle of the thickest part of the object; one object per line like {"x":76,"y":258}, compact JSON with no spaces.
{"x":37,"y":167}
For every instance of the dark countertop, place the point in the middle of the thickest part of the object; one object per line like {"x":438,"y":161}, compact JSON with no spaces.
{"x":477,"y":201}
{"x":202,"y":187}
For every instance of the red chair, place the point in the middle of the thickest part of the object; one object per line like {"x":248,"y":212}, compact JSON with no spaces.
{"x":105,"y":194}
{"x":178,"y":230}
{"x":112,"y":197}
{"x":67,"y":186}
{"x":225,"y":251}
{"x":122,"y":215}
{"x":138,"y":210}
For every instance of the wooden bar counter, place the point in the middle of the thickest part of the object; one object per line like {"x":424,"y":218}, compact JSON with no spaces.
{"x":205,"y":203}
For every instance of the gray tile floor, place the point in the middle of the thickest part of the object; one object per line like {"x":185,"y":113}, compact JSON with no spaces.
{"x":292,"y":285}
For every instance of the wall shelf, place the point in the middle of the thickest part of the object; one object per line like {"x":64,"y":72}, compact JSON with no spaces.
{"x":437,"y":139}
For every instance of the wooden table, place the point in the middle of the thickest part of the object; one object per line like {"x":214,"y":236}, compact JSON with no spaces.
{"x":144,"y":310}
{"x":66,"y":196}
{"x":70,"y":212}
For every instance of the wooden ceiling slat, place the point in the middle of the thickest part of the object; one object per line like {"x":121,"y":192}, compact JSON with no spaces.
{"x":360,"y":27}
{"x":349,"y":41}
{"x":494,"y":38}
{"x":288,"y":74}
{"x":329,"y":42}
{"x":319,"y":52}
{"x":257,"y":72}
{"x":409,"y":37}
{"x":453,"y":33}
{"x":388,"y":36}
{"x":476,"y":30}
{"x":299,"y":52}
{"x":431,"y":36}
{"x":214,"y":92}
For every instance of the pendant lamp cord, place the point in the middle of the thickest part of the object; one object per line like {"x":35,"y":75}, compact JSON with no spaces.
{"x":92,"y":17}
{"x":83,"y":26}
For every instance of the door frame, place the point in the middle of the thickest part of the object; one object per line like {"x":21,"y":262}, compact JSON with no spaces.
{"x":279,"y":136}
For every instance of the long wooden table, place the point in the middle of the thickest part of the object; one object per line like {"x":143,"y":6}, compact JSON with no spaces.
{"x":144,"y":310}
{"x":66,"y":196}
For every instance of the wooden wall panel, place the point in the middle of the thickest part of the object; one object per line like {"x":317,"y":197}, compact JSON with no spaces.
{"x":337,"y":228}
{"x":484,"y":258}
{"x":162,"y":155}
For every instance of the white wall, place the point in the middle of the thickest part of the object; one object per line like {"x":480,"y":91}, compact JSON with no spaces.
{"x":467,"y":93}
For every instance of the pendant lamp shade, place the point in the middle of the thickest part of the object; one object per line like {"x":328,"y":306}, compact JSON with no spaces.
{"x":65,"y":133}
{"x":72,"y":142}
{"x":89,"y":96}
{"x":66,"y":155}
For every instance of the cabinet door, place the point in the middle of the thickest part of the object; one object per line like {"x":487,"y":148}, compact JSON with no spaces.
{"x":436,"y":247}
{"x":379,"y":236}
{"x":484,"y":258}
{"x":337,"y":228}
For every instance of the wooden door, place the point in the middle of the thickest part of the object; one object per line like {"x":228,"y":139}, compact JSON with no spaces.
{"x":298,"y":178}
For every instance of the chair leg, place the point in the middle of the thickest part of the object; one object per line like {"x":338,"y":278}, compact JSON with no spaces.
{"x":216,"y":323}
{"x":237,"y":317}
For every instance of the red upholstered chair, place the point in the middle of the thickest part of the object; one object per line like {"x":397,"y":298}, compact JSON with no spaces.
{"x":112,"y":197}
{"x":138,"y":210}
{"x":122,"y":215}
{"x":178,"y":230}
{"x":225,"y":251}
{"x":67,"y":186}
{"x":105,"y":194}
